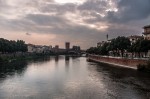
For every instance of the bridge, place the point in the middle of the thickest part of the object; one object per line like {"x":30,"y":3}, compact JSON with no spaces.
{"x":80,"y":53}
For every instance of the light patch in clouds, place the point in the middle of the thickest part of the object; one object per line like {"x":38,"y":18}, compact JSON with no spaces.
{"x":78,"y":19}
{"x":70,"y":1}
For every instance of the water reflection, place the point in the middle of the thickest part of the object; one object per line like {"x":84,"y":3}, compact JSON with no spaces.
{"x":64,"y":77}
{"x":129,"y":82}
{"x":40,"y":60}
{"x":18,"y":67}
{"x":56,"y":59}
{"x":67,"y":61}
{"x":10,"y":69}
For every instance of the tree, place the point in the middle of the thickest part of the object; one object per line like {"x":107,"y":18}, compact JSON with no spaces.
{"x":104,"y":50}
{"x":7,"y":46}
{"x":91,"y":50}
{"x":141,"y":45}
{"x":131,"y":49}
{"x":113,"y":47}
{"x":121,"y":43}
{"x":145,"y":46}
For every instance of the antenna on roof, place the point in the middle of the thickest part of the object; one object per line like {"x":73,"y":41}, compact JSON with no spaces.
{"x":107,"y":37}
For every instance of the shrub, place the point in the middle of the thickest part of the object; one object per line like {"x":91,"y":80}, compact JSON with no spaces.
{"x":141,"y":67}
{"x":1,"y":59}
{"x":144,"y":67}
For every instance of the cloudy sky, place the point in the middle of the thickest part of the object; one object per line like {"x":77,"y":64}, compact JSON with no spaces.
{"x":81,"y":22}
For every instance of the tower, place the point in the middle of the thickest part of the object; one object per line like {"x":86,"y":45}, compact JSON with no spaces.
{"x":107,"y":37}
{"x":67,"y":45}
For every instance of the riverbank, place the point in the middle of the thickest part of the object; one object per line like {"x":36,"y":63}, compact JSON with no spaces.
{"x":123,"y":62}
{"x":21,"y":56}
{"x":26,"y":56}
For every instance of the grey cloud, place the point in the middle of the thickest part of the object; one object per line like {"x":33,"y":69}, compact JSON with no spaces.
{"x":16,"y":24}
{"x":65,"y":29}
{"x":59,"y":8}
{"x":93,"y":5}
{"x":94,"y":9}
{"x":49,"y":24}
{"x":46,"y":20}
{"x":130,"y":10}
{"x":58,"y":25}
{"x":4,"y":6}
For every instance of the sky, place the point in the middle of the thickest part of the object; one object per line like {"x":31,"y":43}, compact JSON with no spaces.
{"x":80,"y":22}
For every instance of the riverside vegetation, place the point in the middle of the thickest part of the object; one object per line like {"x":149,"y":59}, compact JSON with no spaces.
{"x":22,"y":56}
{"x":121,"y":44}
{"x":11,"y":46}
{"x":144,"y":67}
{"x":16,"y":50}
{"x":9,"y":49}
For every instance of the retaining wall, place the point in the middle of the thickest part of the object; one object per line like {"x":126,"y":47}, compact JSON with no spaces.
{"x":130,"y":63}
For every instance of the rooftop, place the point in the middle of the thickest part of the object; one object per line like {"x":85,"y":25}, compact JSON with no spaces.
{"x":135,"y":36}
{"x":147,"y":26}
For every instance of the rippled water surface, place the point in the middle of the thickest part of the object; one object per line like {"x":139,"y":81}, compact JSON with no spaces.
{"x":70,"y":78}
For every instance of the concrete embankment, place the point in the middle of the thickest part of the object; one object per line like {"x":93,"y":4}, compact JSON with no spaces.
{"x":123,"y":62}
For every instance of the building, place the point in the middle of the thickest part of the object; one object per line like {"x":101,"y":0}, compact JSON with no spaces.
{"x":67,"y":45}
{"x":56,"y":46}
{"x":100,"y":44}
{"x":50,"y":47}
{"x":146,"y":32}
{"x":76,"y":48}
{"x":38,"y":48}
{"x":31,"y":48}
{"x":134,"y":38}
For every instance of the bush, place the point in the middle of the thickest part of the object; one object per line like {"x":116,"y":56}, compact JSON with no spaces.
{"x":1,"y":59}
{"x":148,"y":65}
{"x":141,"y":67}
{"x":144,"y":67}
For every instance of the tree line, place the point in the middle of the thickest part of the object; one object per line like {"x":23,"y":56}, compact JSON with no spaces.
{"x":120,"y":45}
{"x":11,"y":46}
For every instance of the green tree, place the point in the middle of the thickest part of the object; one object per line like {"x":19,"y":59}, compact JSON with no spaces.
{"x":7,"y":46}
{"x":120,"y":44}
{"x":91,"y":50}
{"x":145,"y":46}
{"x":104,"y":50}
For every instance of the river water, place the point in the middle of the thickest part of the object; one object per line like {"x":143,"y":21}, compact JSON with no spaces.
{"x":70,"y":78}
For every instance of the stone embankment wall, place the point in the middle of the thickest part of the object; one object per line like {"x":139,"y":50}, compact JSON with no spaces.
{"x":130,"y":63}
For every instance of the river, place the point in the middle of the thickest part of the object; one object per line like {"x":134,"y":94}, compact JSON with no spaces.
{"x":63,"y":77}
